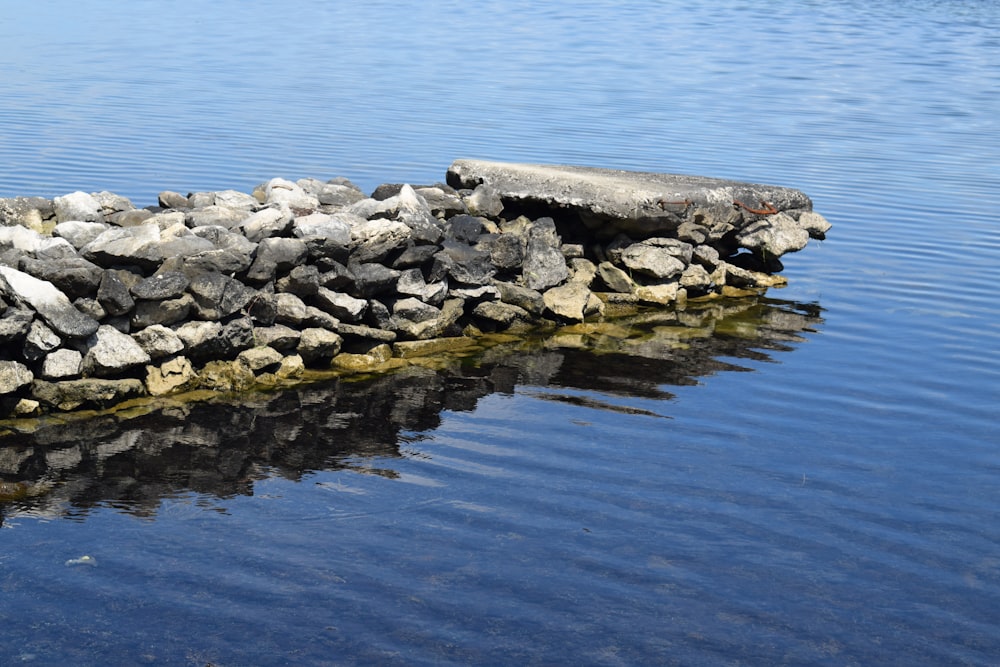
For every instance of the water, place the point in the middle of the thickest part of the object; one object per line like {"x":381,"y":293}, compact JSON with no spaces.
{"x":807,"y":480}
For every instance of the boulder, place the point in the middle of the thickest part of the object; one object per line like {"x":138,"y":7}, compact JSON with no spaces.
{"x":316,"y":344}
{"x":15,"y":325}
{"x":110,"y":352}
{"x":657,"y":257}
{"x":373,"y":240}
{"x":114,"y":295}
{"x":158,"y":341}
{"x":74,"y":276}
{"x":77,"y":206}
{"x":266,"y":223}
{"x":212,"y":215}
{"x":773,"y":236}
{"x":373,"y":279}
{"x":332,"y":229}
{"x":62,"y":364}
{"x":277,"y":336}
{"x":126,"y":245}
{"x":217,"y":296}
{"x":72,"y":394}
{"x":13,"y":376}
{"x":164,"y":312}
{"x":342,"y":306}
{"x":260,"y":359}
{"x":162,"y":285}
{"x":79,"y":233}
{"x":171,"y":376}
{"x":274,"y":255}
{"x":39,"y":341}
{"x":48,"y":301}
{"x":568,"y":302}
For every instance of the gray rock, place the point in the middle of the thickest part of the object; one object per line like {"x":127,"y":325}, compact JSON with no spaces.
{"x":25,"y":211}
{"x":278,"y":336}
{"x":415,"y":310}
{"x":62,"y":364}
{"x":774,"y":235}
{"x":526,"y":298}
{"x":158,"y":341}
{"x":77,"y":206}
{"x":220,"y":216}
{"x":373,"y":279}
{"x":337,"y":195}
{"x":266,"y":223}
{"x":464,"y":229}
{"x":290,"y":309}
{"x":333,"y":229}
{"x":21,"y":239}
{"x":162,"y":285}
{"x":13,"y":376}
{"x":73,"y":394}
{"x":112,"y":204}
{"x":48,"y":301}
{"x":506,"y":250}
{"x":110,"y":352}
{"x":236,"y":200}
{"x":465,"y":263}
{"x":74,"y":276}
{"x":582,"y":271}
{"x":342,"y":306}
{"x":815,"y":224}
{"x":316,"y":344}
{"x":79,"y":233}
{"x":280,"y":190}
{"x":114,"y":295}
{"x":260,"y":359}
{"x":657,"y":257}
{"x":543,"y":266}
{"x":201,"y":199}
{"x":218,"y":296}
{"x":485,"y":201}
{"x":164,"y":312}
{"x":442,"y":203}
{"x":695,"y":279}
{"x":126,"y":245}
{"x":92,"y":308}
{"x":39,"y":341}
{"x":411,"y":283}
{"x":706,"y":256}
{"x":302,"y":281}
{"x":373,"y":240}
{"x":320,"y":319}
{"x":274,"y":255}
{"x":367,"y":333}
{"x":55,"y":249}
{"x":15,"y":324}
{"x":169,"y":199}
{"x":500,"y":313}
{"x":210,"y":341}
{"x":616,"y":279}
{"x":414,"y":256}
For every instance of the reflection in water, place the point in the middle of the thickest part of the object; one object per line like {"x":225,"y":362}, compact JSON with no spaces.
{"x":220,"y":448}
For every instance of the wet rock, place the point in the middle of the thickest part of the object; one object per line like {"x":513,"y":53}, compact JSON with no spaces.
{"x":13,"y":376}
{"x":172,"y":376}
{"x":72,"y":394}
{"x":226,"y":376}
{"x":500,"y":313}
{"x":110,"y":352}
{"x":48,"y":301}
{"x":815,"y":224}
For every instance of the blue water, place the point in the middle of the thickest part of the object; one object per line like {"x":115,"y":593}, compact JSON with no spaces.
{"x":820,"y":492}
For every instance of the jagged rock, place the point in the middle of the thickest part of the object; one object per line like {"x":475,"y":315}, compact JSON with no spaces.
{"x":72,"y":394}
{"x":114,"y":295}
{"x":280,"y":190}
{"x":274,"y":255}
{"x":815,"y":224}
{"x":79,"y":233}
{"x":500,"y":313}
{"x":260,"y":359}
{"x":301,"y":281}
{"x":411,"y":283}
{"x":659,"y":295}
{"x":338,"y":195}
{"x":333,"y":230}
{"x":290,"y":309}
{"x":62,"y":364}
{"x":204,"y":341}
{"x":171,"y":376}
{"x":77,"y":206}
{"x":373,"y":279}
{"x":165,"y":312}
{"x":13,"y":376}
{"x":414,"y":256}
{"x":110,"y":352}
{"x":485,"y":201}
{"x":506,"y":250}
{"x":657,"y":257}
{"x":292,"y":366}
{"x":48,"y":301}
{"x":773,"y":236}
{"x":696,"y":279}
{"x":28,"y":212}
{"x":523,"y":297}
{"x":15,"y":324}
{"x":39,"y":341}
{"x":162,"y":285}
{"x":342,"y":306}
{"x":277,"y":336}
{"x":266,"y":223}
{"x":373,"y":240}
{"x":582,"y":271}
{"x":320,"y":319}
{"x":316,"y":344}
{"x":465,"y":263}
{"x":464,"y":229}
{"x":218,"y":296}
{"x":616,"y":279}
{"x":21,"y":239}
{"x":158,"y":341}
{"x":414,"y":310}
{"x":236,"y":200}
{"x":226,"y":376}
{"x":74,"y":276}
{"x":442,"y":203}
{"x":126,"y":245}
{"x":568,"y":301}
{"x":370,"y":333}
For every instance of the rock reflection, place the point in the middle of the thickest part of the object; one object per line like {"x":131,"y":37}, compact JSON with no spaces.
{"x":221,"y":447}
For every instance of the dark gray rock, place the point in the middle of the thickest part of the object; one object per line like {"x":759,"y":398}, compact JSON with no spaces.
{"x":217,"y":296}
{"x":464,"y":229}
{"x":74,"y":276}
{"x":162,"y":285}
{"x":39,"y":341}
{"x":465,"y":264}
{"x":164,"y":312}
{"x":415,"y":255}
{"x":372,"y":279}
{"x":543,"y":266}
{"x":14,"y":325}
{"x":276,"y":255}
{"x":506,"y":251}
{"x":114,"y":295}
{"x":526,"y":298}
{"x":336,"y":276}
{"x":212,"y":341}
{"x":302,"y":281}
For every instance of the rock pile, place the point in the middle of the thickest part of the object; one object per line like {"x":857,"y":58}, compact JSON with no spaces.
{"x":101,"y":301}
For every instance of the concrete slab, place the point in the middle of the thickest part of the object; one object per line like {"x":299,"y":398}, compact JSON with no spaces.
{"x":634,"y":202}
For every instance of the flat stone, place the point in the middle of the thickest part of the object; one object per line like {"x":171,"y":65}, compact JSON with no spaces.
{"x":72,"y":394}
{"x":421,"y":348}
{"x":631,"y":201}
{"x":278,"y":336}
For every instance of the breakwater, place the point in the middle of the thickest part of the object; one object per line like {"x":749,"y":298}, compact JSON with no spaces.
{"x":103,"y":302}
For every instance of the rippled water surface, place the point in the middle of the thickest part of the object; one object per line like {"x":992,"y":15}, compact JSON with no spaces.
{"x":809,"y":478}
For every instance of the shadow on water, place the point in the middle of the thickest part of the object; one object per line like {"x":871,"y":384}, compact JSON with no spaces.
{"x":221,"y":447}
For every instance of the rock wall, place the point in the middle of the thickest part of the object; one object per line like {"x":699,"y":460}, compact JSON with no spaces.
{"x":101,"y":301}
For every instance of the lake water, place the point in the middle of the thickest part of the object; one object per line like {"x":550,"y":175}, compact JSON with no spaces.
{"x":810,"y":478}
